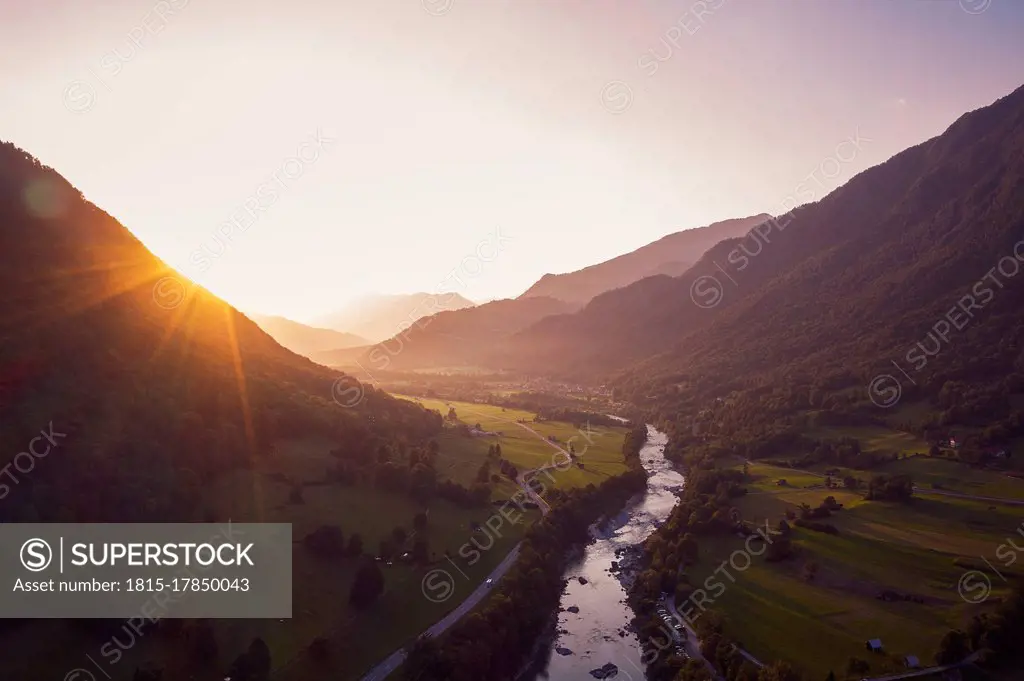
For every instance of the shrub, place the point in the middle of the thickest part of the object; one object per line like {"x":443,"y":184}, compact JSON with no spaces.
{"x":827,"y":528}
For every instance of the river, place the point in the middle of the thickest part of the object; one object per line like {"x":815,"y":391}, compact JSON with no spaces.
{"x":593,"y":634}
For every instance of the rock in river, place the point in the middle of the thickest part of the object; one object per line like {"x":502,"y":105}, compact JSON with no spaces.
{"x":606,"y":672}
{"x":563,"y":651}
{"x":573,"y":609}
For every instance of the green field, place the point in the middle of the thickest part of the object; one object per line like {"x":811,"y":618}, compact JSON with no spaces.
{"x":321,"y":588}
{"x":777,"y":613}
{"x":765,"y":477}
{"x":929,"y":474}
{"x":957,"y":477}
{"x":601,"y":456}
{"x":874,"y":438}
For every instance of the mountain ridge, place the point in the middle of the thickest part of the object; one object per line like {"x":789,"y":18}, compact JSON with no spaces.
{"x":303,"y":339}
{"x":672,"y":254}
{"x":157,"y":385}
{"x":867,"y":215}
{"x":459,"y":337}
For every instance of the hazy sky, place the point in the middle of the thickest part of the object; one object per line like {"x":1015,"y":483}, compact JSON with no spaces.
{"x":380,"y":146}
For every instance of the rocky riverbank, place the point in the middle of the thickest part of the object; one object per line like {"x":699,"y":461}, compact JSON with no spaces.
{"x":595,"y":636}
{"x":627,"y":565}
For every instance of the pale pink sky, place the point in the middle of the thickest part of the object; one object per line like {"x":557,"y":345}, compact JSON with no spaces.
{"x":581,"y":128}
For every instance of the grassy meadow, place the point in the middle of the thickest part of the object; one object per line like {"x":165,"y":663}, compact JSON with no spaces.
{"x":922,"y":549}
{"x":874,"y":438}
{"x":601,"y":456}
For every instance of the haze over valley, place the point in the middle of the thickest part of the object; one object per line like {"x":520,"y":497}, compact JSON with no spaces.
{"x":516,"y":341}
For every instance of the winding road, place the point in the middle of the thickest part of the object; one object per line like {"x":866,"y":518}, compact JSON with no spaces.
{"x":384,"y":669}
{"x":690,"y":642}
{"x":395,"y":659}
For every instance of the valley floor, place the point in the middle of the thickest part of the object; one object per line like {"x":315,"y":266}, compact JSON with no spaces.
{"x":479,"y":547}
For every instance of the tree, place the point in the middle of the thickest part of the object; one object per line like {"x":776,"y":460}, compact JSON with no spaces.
{"x":240,"y":669}
{"x":452,"y":416}
{"x":778,"y":671}
{"x":427,"y":660}
{"x":400,"y":535}
{"x":954,"y":647}
{"x":780,"y":549}
{"x":367,"y":585}
{"x":355,"y":545}
{"x":326,"y":541}
{"x":688,"y":549}
{"x":484,"y":474}
{"x":423,"y":482}
{"x":857,"y":666}
{"x":421,"y":551}
{"x":896,"y":488}
{"x":259,"y":658}
{"x":419,"y":522}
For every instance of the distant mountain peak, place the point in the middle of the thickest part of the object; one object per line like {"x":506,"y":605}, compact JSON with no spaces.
{"x":306,"y":340}
{"x":380,"y":316}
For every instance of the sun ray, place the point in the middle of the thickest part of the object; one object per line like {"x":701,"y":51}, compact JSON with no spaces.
{"x":243,"y":394}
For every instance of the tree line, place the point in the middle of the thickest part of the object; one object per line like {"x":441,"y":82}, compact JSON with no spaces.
{"x":494,"y":641}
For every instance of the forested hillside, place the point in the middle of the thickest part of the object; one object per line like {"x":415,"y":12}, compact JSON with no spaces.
{"x":153,"y":384}
{"x":811,"y":308}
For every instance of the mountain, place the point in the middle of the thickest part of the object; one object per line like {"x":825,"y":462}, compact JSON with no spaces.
{"x":380,"y":317}
{"x":472,"y":336}
{"x":341,"y":357}
{"x":156,"y":386}
{"x":458,"y":337}
{"x":671,"y":255}
{"x":902,"y":283}
{"x":306,"y":340}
